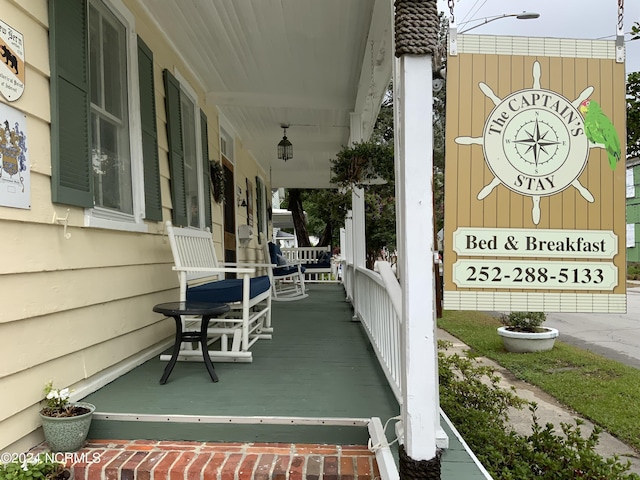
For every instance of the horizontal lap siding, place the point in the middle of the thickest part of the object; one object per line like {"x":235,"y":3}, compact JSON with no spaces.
{"x":71,"y":307}
{"x":74,"y":307}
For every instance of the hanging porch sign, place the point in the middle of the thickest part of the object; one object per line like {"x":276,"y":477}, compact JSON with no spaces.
{"x":535,"y":193}
{"x":15,"y":178}
{"x":12,"y":65}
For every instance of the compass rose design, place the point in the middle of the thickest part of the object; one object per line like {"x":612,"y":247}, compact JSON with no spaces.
{"x":537,"y":142}
{"x":534,"y":143}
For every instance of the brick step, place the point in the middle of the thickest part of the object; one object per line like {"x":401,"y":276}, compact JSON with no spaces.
{"x":170,"y":460}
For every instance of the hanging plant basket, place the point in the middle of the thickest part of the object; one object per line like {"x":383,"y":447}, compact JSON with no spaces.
{"x":361,"y":164}
{"x":217,"y":181}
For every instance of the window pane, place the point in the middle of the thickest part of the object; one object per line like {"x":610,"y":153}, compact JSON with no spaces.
{"x":95,"y":59}
{"x":190,"y":160}
{"x":109,"y":111}
{"x":115,"y":67}
{"x":112,"y":179}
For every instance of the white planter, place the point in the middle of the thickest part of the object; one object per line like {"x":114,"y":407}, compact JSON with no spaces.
{"x":523,"y":342}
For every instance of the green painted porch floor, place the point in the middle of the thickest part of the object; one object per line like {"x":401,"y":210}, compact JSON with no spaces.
{"x":318,"y":364}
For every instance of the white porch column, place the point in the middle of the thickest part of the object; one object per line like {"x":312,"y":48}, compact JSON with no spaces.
{"x":357,"y":201}
{"x":348,"y":256}
{"x":414,"y":170}
{"x":348,"y":238}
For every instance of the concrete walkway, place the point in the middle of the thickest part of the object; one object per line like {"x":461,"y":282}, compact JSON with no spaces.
{"x":549,"y":410}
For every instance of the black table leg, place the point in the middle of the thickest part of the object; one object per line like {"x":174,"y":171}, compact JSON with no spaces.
{"x":204,"y":326}
{"x":175,"y":353}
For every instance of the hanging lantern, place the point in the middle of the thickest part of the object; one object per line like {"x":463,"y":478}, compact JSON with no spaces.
{"x":285,"y":149}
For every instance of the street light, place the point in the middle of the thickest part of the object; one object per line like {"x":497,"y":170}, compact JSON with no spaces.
{"x":519,"y":16}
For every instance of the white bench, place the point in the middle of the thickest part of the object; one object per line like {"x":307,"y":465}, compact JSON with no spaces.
{"x":318,"y":263}
{"x":201,"y":279}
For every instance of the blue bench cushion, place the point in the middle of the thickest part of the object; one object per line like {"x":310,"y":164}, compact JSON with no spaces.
{"x":311,"y":266}
{"x":324,"y":261}
{"x":227,"y":291}
{"x":287,"y":270}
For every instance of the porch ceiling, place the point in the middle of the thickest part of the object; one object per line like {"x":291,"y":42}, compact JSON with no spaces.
{"x":306,"y":63}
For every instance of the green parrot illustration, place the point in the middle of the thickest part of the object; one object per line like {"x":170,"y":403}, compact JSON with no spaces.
{"x":600,"y":130}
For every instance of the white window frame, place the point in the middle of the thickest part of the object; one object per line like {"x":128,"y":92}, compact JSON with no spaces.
{"x":187,"y":89}
{"x":102,"y":217}
{"x":228,"y":140}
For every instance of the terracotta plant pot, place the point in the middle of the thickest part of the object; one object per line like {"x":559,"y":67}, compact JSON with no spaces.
{"x":67,"y":434}
{"x":525,"y":342}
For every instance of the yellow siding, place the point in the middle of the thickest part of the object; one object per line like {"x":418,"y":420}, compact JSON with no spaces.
{"x":74,"y":307}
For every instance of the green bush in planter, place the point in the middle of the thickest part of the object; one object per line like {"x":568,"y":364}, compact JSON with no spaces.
{"x":529,"y":322}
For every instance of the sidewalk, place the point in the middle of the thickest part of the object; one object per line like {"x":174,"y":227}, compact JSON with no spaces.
{"x":549,"y":410}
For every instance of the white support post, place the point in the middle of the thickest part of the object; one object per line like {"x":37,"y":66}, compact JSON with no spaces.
{"x":357,"y":200}
{"x":414,"y":170}
{"x":348,"y":255}
{"x":348,"y":237}
{"x":359,"y":241}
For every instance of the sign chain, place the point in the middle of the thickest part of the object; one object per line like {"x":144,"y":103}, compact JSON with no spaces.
{"x":452,"y":19}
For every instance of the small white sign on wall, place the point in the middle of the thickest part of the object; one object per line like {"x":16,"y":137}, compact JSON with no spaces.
{"x":15,"y":177}
{"x":12,"y":78}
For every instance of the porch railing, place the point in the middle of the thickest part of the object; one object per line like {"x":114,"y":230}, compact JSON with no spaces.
{"x":376,"y":298}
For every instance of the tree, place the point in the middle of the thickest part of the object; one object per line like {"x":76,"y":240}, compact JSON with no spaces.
{"x":326,"y":210}
{"x":633,"y":114}
{"x":633,"y":105}
{"x":297,"y":212}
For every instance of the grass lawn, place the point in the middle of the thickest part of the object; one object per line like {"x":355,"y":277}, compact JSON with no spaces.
{"x":602,"y":390}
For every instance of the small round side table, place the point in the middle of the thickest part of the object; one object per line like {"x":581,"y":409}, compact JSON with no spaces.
{"x":176,"y":310}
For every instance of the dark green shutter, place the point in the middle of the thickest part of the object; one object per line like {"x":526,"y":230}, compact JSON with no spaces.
{"x":71,"y":175}
{"x":152,"y":200}
{"x":176,"y":149}
{"x":259,"y":206}
{"x":204,"y":138}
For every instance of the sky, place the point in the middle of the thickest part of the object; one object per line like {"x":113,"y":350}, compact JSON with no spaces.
{"x":585,"y":19}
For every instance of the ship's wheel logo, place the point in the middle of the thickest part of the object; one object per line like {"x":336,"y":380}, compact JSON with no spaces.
{"x":534,"y":143}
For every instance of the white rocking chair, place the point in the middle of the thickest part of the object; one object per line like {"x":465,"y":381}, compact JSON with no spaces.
{"x":201,"y":279}
{"x":287,"y":278}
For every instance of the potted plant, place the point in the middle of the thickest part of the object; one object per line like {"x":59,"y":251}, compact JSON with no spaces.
{"x":65,"y":424}
{"x":523,"y":332}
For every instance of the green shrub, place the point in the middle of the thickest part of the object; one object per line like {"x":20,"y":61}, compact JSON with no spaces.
{"x":524,"y":321}
{"x":476,"y":404}
{"x":41,"y":468}
{"x":633,"y":271}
